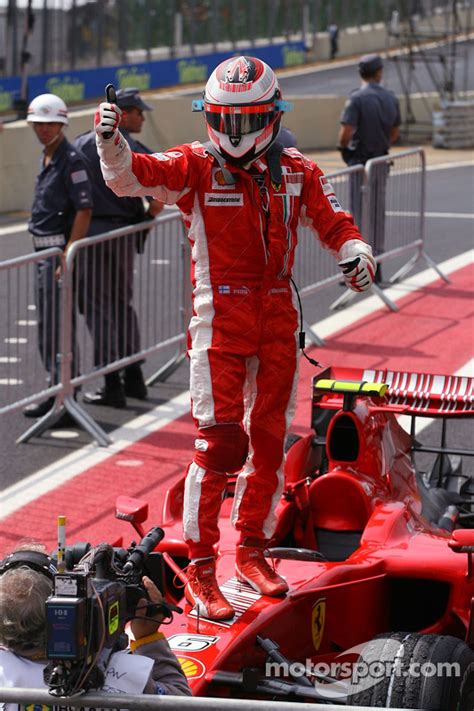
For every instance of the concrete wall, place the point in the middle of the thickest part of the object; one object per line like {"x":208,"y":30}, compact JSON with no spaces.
{"x":314,"y":120}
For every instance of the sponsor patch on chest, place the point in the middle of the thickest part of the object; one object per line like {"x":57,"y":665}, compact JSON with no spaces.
{"x":218,"y":180}
{"x":234,"y":200}
{"x":292,"y":182}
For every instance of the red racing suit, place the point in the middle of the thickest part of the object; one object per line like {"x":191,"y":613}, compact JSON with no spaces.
{"x":243,"y":333}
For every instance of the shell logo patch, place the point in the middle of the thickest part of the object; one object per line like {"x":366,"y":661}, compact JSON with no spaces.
{"x":220,"y":180}
{"x":192,"y":668}
{"x":318,"y":618}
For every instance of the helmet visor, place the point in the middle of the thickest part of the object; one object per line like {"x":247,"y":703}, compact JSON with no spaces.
{"x":239,"y":120}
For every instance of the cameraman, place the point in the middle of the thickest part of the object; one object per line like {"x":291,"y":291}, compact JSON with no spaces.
{"x":26,"y":581}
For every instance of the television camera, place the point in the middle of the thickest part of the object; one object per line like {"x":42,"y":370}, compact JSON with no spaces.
{"x":95,"y":593}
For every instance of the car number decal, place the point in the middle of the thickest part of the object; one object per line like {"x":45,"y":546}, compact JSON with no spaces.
{"x":191,"y":642}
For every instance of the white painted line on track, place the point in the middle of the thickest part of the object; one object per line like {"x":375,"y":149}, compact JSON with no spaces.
{"x":413,"y":213}
{"x":13,"y":229}
{"x":452,"y":164}
{"x":65,"y":469}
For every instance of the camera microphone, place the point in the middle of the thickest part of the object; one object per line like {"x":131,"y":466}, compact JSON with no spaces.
{"x":143,"y":549}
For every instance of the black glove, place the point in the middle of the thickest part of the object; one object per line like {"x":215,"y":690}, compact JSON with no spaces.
{"x":347,"y":154}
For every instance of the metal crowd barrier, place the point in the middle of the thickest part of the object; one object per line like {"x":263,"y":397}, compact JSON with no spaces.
{"x":18,"y":297}
{"x":134,"y":305}
{"x":393,"y":214}
{"x":98,"y":700}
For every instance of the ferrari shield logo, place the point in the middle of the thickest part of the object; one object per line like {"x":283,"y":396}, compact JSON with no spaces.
{"x":318,"y":617}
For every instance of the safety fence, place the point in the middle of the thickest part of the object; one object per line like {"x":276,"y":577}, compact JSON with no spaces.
{"x":105,"y":307}
{"x":68,"y":34}
{"x":97,"y":700}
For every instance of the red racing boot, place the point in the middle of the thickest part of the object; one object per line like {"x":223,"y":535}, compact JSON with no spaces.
{"x":203,"y":592}
{"x":252,"y":567}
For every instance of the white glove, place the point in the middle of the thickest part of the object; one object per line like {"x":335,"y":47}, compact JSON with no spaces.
{"x":107,"y":119}
{"x":357,"y":264}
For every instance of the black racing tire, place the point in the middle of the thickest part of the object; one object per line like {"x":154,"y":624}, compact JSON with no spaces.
{"x":407,"y":654}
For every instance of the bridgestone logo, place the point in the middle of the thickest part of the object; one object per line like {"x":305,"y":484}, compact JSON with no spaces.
{"x":224,"y":200}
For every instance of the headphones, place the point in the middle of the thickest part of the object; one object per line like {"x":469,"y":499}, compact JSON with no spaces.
{"x":40,"y":562}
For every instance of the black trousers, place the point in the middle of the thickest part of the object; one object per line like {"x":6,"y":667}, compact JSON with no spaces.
{"x":48,"y":315}
{"x":374,"y":231}
{"x":106,"y":298}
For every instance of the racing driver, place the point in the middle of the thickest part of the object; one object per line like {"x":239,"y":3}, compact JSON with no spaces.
{"x":242,"y":196}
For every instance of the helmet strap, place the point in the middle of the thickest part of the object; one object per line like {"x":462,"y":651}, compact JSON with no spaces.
{"x":274,"y":163}
{"x":56,"y":138}
{"x":228,"y":176}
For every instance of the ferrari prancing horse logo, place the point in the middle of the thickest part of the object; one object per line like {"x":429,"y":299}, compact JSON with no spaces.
{"x":318,"y":618}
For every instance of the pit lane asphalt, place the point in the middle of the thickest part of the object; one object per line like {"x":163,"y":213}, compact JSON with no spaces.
{"x":449,"y":191}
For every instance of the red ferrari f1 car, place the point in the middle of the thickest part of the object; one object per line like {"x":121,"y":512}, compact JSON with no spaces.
{"x":377,"y":555}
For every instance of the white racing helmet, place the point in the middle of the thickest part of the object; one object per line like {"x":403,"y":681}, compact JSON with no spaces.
{"x":242,"y":107}
{"x":47,"y":108}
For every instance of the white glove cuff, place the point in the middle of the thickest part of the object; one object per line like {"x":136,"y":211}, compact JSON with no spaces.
{"x":355,"y":248}
{"x":110,"y":146}
{"x":114,"y":153}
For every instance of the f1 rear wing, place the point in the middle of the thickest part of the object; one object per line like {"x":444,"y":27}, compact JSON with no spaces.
{"x":408,"y":393}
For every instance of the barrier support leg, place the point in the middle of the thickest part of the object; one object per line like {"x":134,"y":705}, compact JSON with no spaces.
{"x":43,"y":423}
{"x":348,"y":295}
{"x":421,"y":254}
{"x":342,"y":300}
{"x":83,"y":419}
{"x":87,"y":423}
{"x":383,"y":296}
{"x":403,"y":271}
{"x":167,"y":369}
{"x":431,"y":263}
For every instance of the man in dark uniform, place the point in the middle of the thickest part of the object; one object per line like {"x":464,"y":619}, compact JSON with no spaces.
{"x":107,"y":284}
{"x":60,"y":215}
{"x":369,"y":126}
